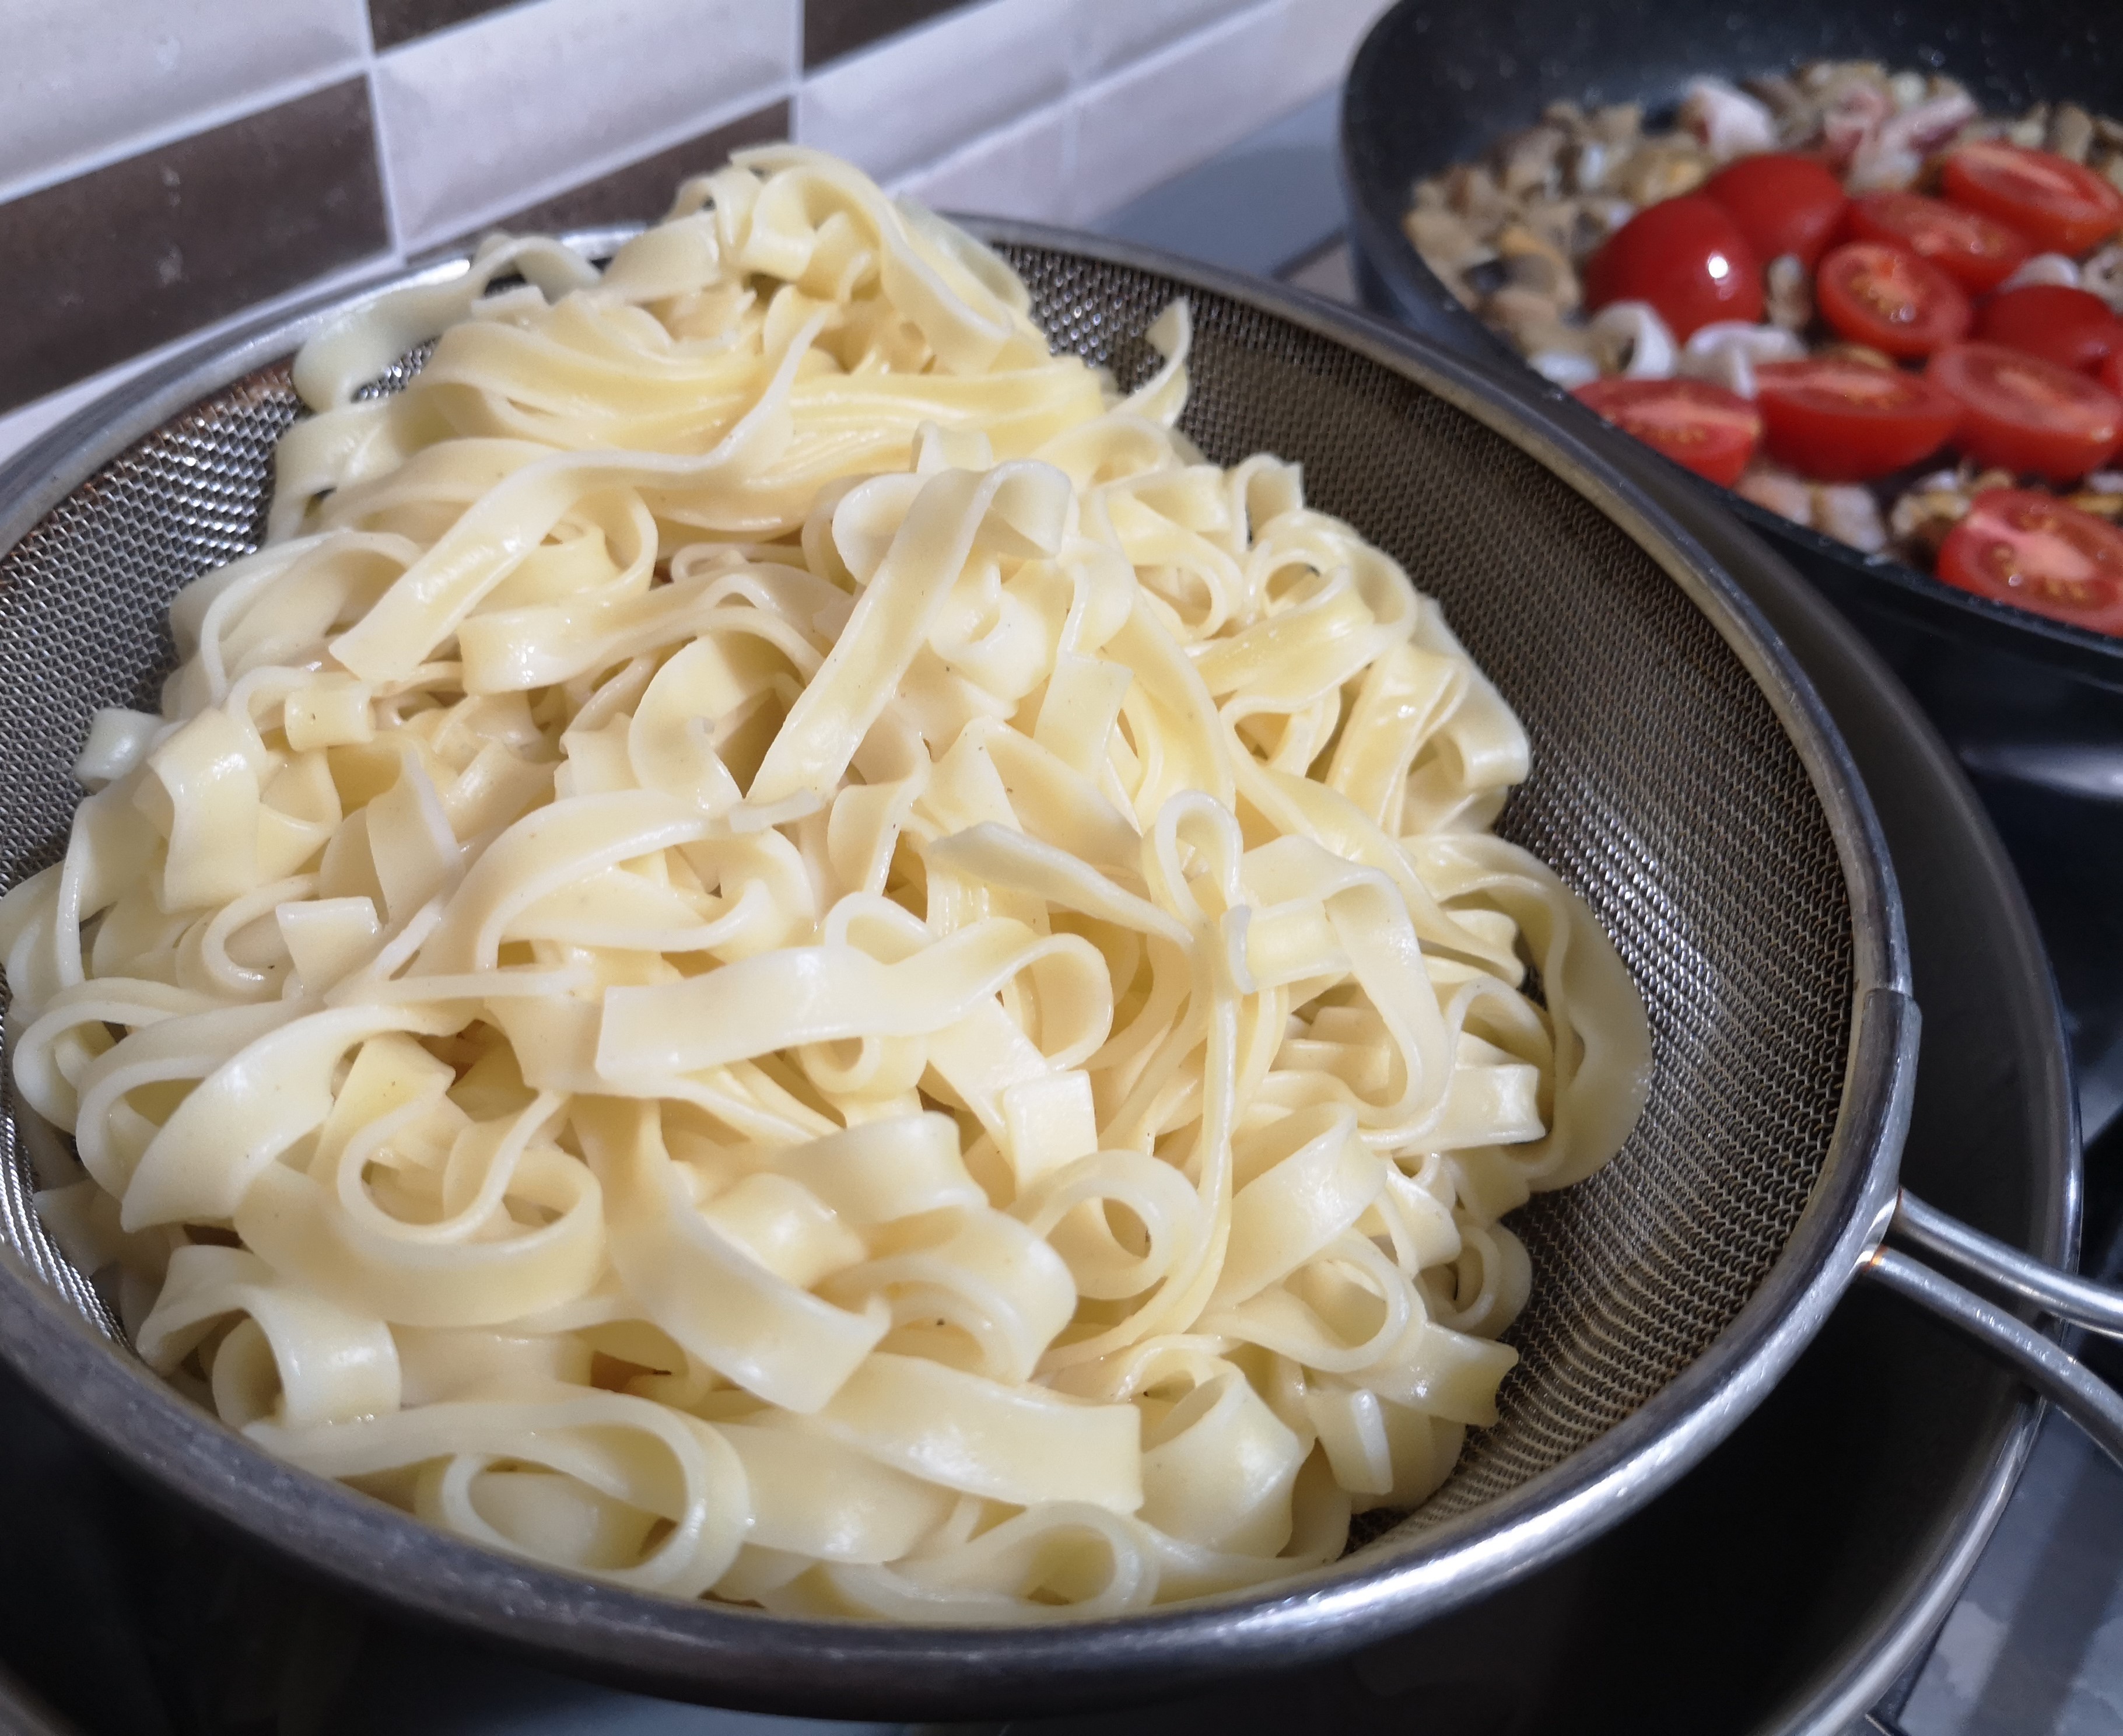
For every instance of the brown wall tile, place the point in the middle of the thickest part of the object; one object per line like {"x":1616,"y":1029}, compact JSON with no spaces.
{"x":394,"y":21}
{"x":833,"y":28}
{"x":129,"y":256}
{"x":641,"y":191}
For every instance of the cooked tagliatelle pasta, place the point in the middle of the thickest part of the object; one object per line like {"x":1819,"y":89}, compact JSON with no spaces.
{"x":775,"y":948}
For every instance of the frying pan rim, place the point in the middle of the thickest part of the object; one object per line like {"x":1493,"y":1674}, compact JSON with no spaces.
{"x":749,"y":1657}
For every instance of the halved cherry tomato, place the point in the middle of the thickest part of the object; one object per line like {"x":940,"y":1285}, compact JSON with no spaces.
{"x":2056,"y":203}
{"x":1845,"y":421}
{"x":2022,"y":546}
{"x":1704,"y":427}
{"x":2022,"y":413}
{"x":1887,"y":298}
{"x":1977,"y":251}
{"x":1782,"y":203}
{"x":2073,"y":328}
{"x":1685,"y":257}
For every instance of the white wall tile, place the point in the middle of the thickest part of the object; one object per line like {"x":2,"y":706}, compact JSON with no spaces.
{"x":1110,"y":33}
{"x":1321,"y":38}
{"x":482,"y":119}
{"x":87,"y":81}
{"x":916,"y":98}
{"x":1023,"y":172}
{"x":1171,"y":110}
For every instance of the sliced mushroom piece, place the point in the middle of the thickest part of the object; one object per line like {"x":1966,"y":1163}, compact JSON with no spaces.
{"x":1727,"y":352}
{"x":1530,"y":161}
{"x":1446,"y":241}
{"x":1848,"y":513}
{"x":1777,"y":94}
{"x":1533,"y":262}
{"x":1617,"y":124}
{"x":1727,"y":119}
{"x":1554,"y":221}
{"x":1522,"y":314}
{"x":1564,"y":367}
{"x":1922,"y":517}
{"x":2070,"y":132}
{"x":1661,"y":168}
{"x":1892,"y":155}
{"x":1586,"y":163}
{"x":1629,"y":338}
{"x":1783,"y":492}
{"x":1472,"y":192}
{"x":1788,"y":296}
{"x":2045,"y":268}
{"x":1598,"y":217}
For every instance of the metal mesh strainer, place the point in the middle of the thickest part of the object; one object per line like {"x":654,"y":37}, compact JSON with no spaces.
{"x":1683,"y":783}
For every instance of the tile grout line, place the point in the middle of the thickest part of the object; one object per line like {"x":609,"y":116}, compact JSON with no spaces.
{"x":379,"y":143}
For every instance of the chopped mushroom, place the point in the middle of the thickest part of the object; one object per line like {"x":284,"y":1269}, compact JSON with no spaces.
{"x":1849,"y":513}
{"x":1922,"y":518}
{"x":2103,"y":275}
{"x":2044,"y":268}
{"x":1728,"y":121}
{"x":1629,"y":338}
{"x":1531,"y":161}
{"x":1618,"y":123}
{"x":1726,"y":353}
{"x":2071,"y":132}
{"x":1788,"y":292}
{"x":1533,"y":262}
{"x":1659,"y":169}
{"x":1783,"y":491}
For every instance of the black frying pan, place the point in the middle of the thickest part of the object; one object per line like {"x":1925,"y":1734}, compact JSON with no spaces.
{"x":1436,"y":82}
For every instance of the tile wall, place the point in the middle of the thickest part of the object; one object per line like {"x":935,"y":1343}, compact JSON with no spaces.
{"x":167,"y":166}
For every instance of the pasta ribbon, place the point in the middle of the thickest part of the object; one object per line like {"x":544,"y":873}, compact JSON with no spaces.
{"x":777,"y":948}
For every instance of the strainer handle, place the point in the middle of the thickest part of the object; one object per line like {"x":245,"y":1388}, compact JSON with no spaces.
{"x":2064,"y":1294}
{"x":2082,"y":1395}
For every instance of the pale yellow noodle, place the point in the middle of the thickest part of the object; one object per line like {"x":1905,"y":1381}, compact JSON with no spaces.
{"x":775,"y":948}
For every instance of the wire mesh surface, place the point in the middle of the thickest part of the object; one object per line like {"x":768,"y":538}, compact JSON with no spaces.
{"x":1663,"y":789}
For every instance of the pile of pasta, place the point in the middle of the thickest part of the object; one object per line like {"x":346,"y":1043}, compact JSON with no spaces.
{"x":775,"y":948}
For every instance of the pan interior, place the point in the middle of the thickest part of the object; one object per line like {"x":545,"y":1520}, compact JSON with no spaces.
{"x":1664,"y":791}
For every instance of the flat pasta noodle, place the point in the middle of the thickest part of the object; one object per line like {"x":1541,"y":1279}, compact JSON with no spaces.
{"x":776,"y":948}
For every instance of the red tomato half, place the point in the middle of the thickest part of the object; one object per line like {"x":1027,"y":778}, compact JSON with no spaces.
{"x":1887,"y":298}
{"x":2056,"y":203}
{"x":2112,"y":373}
{"x":1782,"y":203}
{"x":2022,"y":413}
{"x":1844,"y":421}
{"x":1709,"y":429}
{"x":2072,"y":328}
{"x":2022,"y":547}
{"x":1685,"y":257}
{"x":1976,"y":251}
